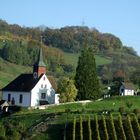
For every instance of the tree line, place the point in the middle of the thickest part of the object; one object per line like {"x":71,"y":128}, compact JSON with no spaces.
{"x":70,"y":39}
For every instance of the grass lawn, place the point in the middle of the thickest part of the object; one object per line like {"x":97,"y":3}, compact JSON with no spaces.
{"x":113,"y":103}
{"x":72,"y":58}
{"x":9,"y":71}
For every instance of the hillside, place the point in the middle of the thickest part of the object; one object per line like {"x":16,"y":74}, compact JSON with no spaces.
{"x":8,"y":71}
{"x":61,"y":48}
{"x":72,"y":58}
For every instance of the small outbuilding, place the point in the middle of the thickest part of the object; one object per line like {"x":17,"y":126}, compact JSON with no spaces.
{"x":126,"y":89}
{"x":3,"y":104}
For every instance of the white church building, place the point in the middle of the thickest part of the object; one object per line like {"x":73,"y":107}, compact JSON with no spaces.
{"x":33,"y":89}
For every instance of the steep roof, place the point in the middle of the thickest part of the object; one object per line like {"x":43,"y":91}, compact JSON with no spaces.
{"x":128,"y":85}
{"x":53,"y":82}
{"x":40,"y":61}
{"x":24,"y":82}
{"x":2,"y":102}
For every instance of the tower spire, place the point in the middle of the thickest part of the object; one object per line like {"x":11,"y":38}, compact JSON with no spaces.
{"x":40,"y":59}
{"x":39,"y":67}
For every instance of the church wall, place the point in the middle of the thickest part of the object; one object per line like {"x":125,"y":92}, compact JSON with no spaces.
{"x":26,"y":96}
{"x":43,"y":86}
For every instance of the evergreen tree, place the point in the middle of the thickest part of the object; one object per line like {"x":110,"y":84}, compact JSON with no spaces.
{"x":86,"y":79}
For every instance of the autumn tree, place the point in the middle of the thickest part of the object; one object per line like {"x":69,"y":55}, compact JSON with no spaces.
{"x":86,"y":79}
{"x":67,"y":90}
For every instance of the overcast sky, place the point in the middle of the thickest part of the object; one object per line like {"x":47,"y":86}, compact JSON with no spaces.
{"x":119,"y":17}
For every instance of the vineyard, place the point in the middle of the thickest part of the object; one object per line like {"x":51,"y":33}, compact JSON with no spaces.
{"x":103,"y":127}
{"x":99,"y":120}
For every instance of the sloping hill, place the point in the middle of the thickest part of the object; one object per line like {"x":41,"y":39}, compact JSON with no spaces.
{"x":8,"y":71}
{"x":72,"y":58}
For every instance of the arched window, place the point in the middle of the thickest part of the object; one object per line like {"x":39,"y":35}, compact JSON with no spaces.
{"x":41,"y":85}
{"x":20,"y":98}
{"x":44,"y":78}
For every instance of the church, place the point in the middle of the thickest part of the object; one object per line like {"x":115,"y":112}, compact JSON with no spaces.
{"x":32,"y":89}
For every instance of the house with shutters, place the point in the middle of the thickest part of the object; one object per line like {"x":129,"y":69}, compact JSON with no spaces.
{"x":32,"y":89}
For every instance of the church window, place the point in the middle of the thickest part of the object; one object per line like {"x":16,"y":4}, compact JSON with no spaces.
{"x":9,"y":97}
{"x":20,"y":98}
{"x":43,"y":95}
{"x":41,"y":85}
{"x":45,"y":86}
{"x":13,"y":101}
{"x":44,"y":78}
{"x":122,"y":90}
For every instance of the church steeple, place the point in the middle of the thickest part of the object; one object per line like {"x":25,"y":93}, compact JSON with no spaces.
{"x":39,"y":66}
{"x":40,"y":59}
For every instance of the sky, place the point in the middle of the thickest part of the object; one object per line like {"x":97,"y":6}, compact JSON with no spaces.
{"x":118,"y":17}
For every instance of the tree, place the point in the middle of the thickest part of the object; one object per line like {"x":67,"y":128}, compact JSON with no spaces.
{"x":67,"y":90}
{"x":86,"y":79}
{"x":135,"y":77}
{"x":119,"y":75}
{"x":115,"y":88}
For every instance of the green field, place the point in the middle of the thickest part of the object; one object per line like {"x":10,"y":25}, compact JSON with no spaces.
{"x":9,"y":71}
{"x":72,"y":58}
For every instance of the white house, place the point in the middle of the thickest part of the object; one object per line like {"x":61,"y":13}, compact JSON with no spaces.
{"x":31,"y":89}
{"x":126,"y":89}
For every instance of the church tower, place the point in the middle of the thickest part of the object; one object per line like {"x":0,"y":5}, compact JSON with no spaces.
{"x":39,"y":66}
